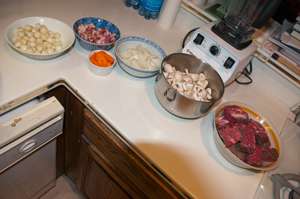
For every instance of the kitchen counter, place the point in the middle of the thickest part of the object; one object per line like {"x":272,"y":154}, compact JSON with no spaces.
{"x":182,"y":149}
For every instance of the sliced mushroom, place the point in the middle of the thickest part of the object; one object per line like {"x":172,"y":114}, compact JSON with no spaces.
{"x":201,"y":77}
{"x":191,"y":85}
{"x":178,"y":86}
{"x":187,"y":79}
{"x":178,"y":76}
{"x":168,"y":68}
{"x":203,"y":83}
{"x":187,"y":86}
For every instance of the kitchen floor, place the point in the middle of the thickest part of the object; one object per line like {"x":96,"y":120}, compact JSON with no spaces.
{"x":64,"y":189}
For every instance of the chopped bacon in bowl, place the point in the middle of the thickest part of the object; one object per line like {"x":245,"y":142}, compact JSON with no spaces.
{"x":89,"y":33}
{"x":95,"y":33}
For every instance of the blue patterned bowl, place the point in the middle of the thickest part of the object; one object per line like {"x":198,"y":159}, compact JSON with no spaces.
{"x":131,"y":42}
{"x":99,"y":23}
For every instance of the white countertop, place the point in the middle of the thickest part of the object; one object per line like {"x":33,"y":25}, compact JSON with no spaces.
{"x":183,"y":149}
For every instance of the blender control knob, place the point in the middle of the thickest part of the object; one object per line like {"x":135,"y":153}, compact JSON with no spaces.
{"x":214,"y":50}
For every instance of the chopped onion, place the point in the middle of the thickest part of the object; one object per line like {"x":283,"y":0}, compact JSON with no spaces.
{"x":141,"y":58}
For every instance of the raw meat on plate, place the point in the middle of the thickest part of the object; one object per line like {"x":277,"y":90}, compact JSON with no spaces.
{"x":235,"y":114}
{"x":262,"y":139}
{"x":255,"y":157}
{"x":270,"y":154}
{"x":248,"y":142}
{"x":230,"y":136}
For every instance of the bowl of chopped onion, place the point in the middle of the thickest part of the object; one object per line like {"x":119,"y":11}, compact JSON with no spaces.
{"x":39,"y":38}
{"x":139,"y":56}
{"x":95,"y":33}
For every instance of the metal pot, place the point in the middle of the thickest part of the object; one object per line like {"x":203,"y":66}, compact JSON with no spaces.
{"x":176,"y":103}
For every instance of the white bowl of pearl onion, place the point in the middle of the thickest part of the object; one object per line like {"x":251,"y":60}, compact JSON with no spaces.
{"x":39,"y":38}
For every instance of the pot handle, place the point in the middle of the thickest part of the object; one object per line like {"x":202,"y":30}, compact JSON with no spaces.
{"x":170,"y":94}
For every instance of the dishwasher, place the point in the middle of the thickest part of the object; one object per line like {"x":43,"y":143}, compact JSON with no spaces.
{"x":28,"y":148}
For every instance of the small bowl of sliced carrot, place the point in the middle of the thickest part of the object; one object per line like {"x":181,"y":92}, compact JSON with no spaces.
{"x":101,"y":62}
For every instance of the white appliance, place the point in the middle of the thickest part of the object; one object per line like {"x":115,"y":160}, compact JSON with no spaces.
{"x":224,"y":58}
{"x":28,"y":149}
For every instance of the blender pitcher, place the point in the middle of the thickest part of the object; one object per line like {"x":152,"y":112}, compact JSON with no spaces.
{"x":237,"y":27}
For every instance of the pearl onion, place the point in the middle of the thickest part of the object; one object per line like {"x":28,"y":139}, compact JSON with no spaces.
{"x":23,"y":41}
{"x":50,"y":34}
{"x":47,"y":44}
{"x":31,"y":39}
{"x":28,"y":27}
{"x":16,"y":38}
{"x":29,"y":34}
{"x":29,"y":50}
{"x":58,"y":48}
{"x":59,"y":43}
{"x":57,"y":35}
{"x":40,"y":47}
{"x":23,"y":47}
{"x":33,"y":44}
{"x":18,"y":44}
{"x":39,"y":41}
{"x":20,"y":29}
{"x":50,"y":40}
{"x":21,"y":33}
{"x":50,"y":50}
{"x":38,"y":26}
{"x":44,"y":37}
{"x":44,"y":30}
{"x":34,"y":30}
{"x":37,"y":35}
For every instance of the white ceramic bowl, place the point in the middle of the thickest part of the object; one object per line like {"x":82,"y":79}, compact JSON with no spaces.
{"x":257,"y":116}
{"x":131,"y":42}
{"x":67,"y":35}
{"x":101,"y":71}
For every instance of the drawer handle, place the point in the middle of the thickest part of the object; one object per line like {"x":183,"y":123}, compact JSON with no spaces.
{"x":28,"y":146}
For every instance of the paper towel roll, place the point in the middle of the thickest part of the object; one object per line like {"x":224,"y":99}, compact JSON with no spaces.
{"x":168,"y":13}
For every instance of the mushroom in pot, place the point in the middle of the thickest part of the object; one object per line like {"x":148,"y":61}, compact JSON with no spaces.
{"x":191,"y":85}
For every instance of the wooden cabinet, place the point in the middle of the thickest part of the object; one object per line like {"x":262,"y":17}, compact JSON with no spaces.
{"x":96,"y":179}
{"x":100,"y":162}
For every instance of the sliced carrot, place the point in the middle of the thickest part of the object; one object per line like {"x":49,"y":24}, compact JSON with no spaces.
{"x":109,"y":58}
{"x":102,"y":59}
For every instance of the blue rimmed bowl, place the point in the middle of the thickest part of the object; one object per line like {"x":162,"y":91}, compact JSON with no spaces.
{"x":131,"y":42}
{"x":99,"y":23}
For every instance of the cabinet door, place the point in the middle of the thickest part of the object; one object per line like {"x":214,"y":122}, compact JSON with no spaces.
{"x":95,"y":181}
{"x":128,"y":168}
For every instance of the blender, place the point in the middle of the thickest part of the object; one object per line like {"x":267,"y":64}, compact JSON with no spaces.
{"x":227,"y":43}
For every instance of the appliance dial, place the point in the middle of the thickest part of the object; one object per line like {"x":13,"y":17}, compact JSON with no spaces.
{"x":214,"y":50}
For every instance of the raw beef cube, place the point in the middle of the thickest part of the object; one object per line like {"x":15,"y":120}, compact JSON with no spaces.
{"x":230,"y":136}
{"x":255,"y":157}
{"x":225,"y":124}
{"x":270,"y":154}
{"x":257,"y":125}
{"x":234,"y":149}
{"x":262,"y":139}
{"x":222,"y":122}
{"x":235,"y":114}
{"x":248,"y":142}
